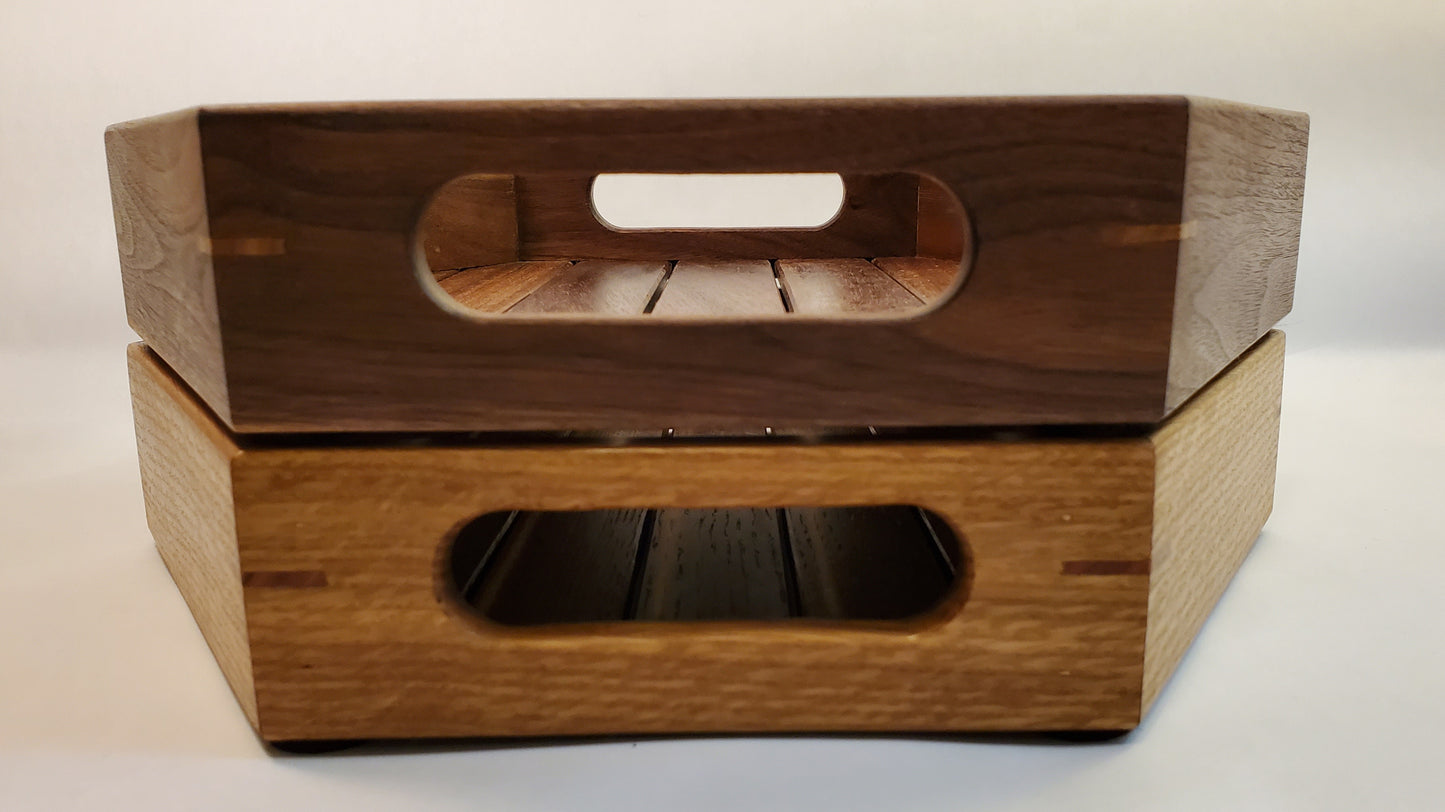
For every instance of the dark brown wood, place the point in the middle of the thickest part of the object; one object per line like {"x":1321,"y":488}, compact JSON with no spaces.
{"x":924,"y":277}
{"x":599,"y":287}
{"x":563,"y":567}
{"x":873,"y":563}
{"x":472,"y":221}
{"x":158,"y":192}
{"x":1068,"y":314}
{"x":495,"y":288}
{"x":557,"y":222}
{"x":818,"y":287}
{"x":943,"y":231}
{"x":715,"y":564}
{"x":720,"y":288}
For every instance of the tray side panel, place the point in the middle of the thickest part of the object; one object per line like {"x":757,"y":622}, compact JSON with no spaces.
{"x":1065,"y":316}
{"x":185,"y":462}
{"x":1243,"y":199}
{"x":1215,"y":489}
{"x":158,"y":197}
{"x":360,"y":641}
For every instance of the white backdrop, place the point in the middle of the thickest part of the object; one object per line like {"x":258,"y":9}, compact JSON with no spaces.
{"x":1316,"y":684}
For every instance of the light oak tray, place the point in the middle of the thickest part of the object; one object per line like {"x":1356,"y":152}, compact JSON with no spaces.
{"x":316,"y":569}
{"x":1120,"y":251}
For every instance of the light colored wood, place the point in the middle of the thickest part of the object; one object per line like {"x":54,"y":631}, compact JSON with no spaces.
{"x":472,"y":221}
{"x":1243,"y":195}
{"x":720,"y":288}
{"x":185,"y":462}
{"x":1214,"y":490}
{"x":815,"y":287}
{"x":346,"y":614}
{"x":598,"y":287}
{"x":1066,"y":317}
{"x":158,"y":193}
{"x":924,"y":277}
{"x":1032,"y":648}
{"x":495,"y":288}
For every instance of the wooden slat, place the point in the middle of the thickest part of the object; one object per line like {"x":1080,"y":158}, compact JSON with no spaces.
{"x":720,"y":288}
{"x":563,"y":567}
{"x":715,"y":564}
{"x":827,"y":286}
{"x":865,"y":563}
{"x":494,"y":288}
{"x":603,"y":287}
{"x":924,"y":277}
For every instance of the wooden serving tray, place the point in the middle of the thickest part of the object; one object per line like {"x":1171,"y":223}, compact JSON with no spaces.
{"x":322,"y":571}
{"x":293,"y":263}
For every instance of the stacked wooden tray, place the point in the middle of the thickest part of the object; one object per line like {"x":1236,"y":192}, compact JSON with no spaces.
{"x":433,"y":451}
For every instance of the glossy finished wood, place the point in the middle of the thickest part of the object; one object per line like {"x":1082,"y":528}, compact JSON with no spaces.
{"x":720,"y":288}
{"x":598,"y":287}
{"x":926,"y":278}
{"x":1077,"y":210}
{"x":815,"y":287}
{"x":496,"y":288}
{"x":340,"y":554}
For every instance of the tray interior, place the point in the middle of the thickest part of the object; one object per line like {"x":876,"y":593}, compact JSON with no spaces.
{"x":874,"y":563}
{"x":529,"y":246}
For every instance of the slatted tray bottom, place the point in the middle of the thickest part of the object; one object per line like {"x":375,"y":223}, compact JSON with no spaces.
{"x":835,"y":563}
{"x":702,"y":287}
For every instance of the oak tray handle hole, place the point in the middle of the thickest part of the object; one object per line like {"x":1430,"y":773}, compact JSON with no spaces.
{"x":837,"y":563}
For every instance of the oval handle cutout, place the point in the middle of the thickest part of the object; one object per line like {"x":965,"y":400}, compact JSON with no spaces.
{"x":742,"y":248}
{"x":661,"y":202}
{"x":842,"y":563}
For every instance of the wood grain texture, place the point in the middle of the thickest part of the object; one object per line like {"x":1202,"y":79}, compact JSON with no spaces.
{"x":1026,"y":645}
{"x":715,"y":564}
{"x":557,"y":222}
{"x":720,"y":288}
{"x":943,"y":231}
{"x":564,"y":567}
{"x":496,"y":288}
{"x":1243,"y":198}
{"x":925,"y":277}
{"x":1075,"y":206}
{"x":158,"y":194}
{"x":873,"y":563}
{"x":1214,"y":490}
{"x":597,"y":287}
{"x":1029,"y":649}
{"x":816,"y":287}
{"x":185,"y":463}
{"x":471,"y":221}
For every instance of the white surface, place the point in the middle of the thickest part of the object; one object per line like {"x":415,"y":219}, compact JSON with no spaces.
{"x":1316,"y":685}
